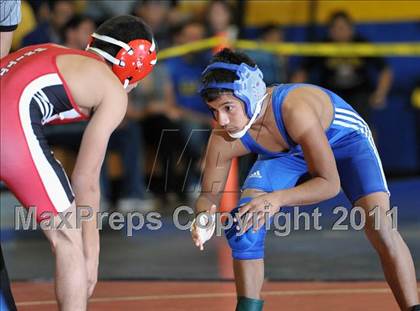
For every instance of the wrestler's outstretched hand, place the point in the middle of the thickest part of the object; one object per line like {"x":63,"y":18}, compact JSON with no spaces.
{"x":202,"y":228}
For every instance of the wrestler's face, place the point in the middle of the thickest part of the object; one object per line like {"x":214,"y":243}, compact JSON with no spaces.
{"x":229,"y":112}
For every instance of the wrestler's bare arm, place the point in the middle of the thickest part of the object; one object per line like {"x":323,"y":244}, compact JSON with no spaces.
{"x":221,"y":149}
{"x":85,"y":177}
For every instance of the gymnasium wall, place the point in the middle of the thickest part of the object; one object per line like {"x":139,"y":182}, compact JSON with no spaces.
{"x":378,"y":21}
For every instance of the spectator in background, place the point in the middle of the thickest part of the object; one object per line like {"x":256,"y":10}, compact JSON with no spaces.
{"x":76,"y":33}
{"x":185,"y":72}
{"x":131,"y":195}
{"x":273,"y":67}
{"x":153,"y":106}
{"x":349,"y":76}
{"x":220,"y":20}
{"x":100,"y":10}
{"x":60,"y":12}
{"x":156,"y":14}
{"x":41,"y":9}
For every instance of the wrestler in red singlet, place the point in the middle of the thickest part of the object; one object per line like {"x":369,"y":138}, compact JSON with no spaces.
{"x":33,"y":94}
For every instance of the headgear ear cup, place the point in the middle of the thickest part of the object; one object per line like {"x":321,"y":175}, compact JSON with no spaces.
{"x":136,"y":63}
{"x":133,"y":62}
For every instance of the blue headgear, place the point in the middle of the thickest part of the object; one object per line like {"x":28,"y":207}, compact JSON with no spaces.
{"x":250,"y":87}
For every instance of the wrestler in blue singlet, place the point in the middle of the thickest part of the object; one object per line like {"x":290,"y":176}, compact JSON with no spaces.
{"x":351,"y":141}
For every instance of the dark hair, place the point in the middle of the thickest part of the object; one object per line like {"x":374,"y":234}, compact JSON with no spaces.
{"x":124,"y":28}
{"x":74,"y":23}
{"x":339,"y":15}
{"x":270,"y":28}
{"x":178,"y":28}
{"x":224,"y":3}
{"x":222,"y":75}
{"x":52,"y":4}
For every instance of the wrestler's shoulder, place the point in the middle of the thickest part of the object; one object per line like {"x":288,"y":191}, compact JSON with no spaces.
{"x":86,"y":70}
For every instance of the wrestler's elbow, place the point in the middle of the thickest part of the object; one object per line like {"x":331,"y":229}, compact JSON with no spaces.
{"x":333,"y":186}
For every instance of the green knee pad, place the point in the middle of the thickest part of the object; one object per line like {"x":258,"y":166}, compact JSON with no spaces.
{"x":249,"y":304}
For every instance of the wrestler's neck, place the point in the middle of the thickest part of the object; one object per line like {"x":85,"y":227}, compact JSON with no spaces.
{"x":109,"y":65}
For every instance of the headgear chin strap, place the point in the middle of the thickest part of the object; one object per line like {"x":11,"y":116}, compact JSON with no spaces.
{"x":133,"y":62}
{"x":242,"y":132}
{"x":250,"y":88}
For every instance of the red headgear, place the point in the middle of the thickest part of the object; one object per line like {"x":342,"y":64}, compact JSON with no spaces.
{"x":133,"y":62}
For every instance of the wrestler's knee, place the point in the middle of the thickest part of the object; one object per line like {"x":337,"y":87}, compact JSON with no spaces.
{"x":247,"y":245}
{"x":67,"y":240}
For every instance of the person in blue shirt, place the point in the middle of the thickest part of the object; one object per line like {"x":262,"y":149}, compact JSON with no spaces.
{"x":61,"y":11}
{"x":193,"y":117}
{"x":273,"y":67}
{"x":349,"y":77}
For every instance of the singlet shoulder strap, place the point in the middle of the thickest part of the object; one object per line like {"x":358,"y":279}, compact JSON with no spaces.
{"x":248,"y":142}
{"x":279,"y":94}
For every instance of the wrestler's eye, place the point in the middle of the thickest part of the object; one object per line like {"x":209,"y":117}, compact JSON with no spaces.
{"x":228,"y":108}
